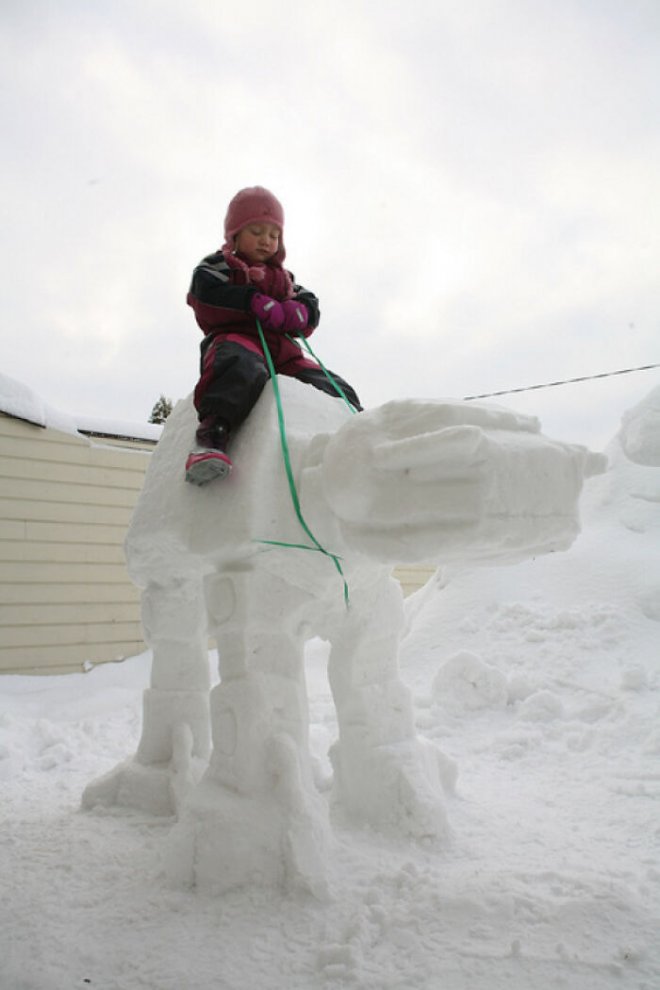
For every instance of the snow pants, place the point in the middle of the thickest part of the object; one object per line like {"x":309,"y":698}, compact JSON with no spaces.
{"x":233,"y":372}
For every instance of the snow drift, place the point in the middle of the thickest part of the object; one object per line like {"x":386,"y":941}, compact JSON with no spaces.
{"x":550,"y":876}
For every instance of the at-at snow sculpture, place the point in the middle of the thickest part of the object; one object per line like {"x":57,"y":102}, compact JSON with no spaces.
{"x":409,"y":481}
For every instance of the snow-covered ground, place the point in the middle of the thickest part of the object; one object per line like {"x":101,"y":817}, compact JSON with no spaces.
{"x":541,"y":680}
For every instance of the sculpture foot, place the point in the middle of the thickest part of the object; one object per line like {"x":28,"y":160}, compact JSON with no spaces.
{"x":397,"y":787}
{"x":227,"y":840}
{"x":157,"y":788}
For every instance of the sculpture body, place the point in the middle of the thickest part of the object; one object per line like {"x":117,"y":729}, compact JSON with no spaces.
{"x":445,"y":481}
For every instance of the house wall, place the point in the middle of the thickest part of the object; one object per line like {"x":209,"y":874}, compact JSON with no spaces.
{"x":412,"y":577}
{"x":66,"y":599}
{"x":65,"y":504}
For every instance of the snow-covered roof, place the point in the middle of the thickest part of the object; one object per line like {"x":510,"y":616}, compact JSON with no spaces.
{"x":21,"y":402}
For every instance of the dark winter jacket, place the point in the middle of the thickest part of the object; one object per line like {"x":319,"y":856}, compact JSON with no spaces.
{"x":220,"y":297}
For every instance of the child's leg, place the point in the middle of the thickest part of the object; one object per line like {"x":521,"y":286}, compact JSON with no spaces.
{"x":318,"y":378}
{"x":232,"y":379}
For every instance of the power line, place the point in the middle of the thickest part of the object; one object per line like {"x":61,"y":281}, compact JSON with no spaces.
{"x":565,"y":381}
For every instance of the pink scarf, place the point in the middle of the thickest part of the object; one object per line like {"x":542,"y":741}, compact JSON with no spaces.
{"x":271,"y":278}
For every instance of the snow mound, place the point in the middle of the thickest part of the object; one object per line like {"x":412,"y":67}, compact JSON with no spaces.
{"x":21,"y":402}
{"x":640,"y":431}
{"x":551,"y":876}
{"x":465,"y":683}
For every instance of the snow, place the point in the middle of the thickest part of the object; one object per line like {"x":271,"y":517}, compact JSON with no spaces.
{"x":20,"y":401}
{"x":17,"y":399}
{"x":408,"y":480}
{"x":119,"y":428}
{"x":540,"y":680}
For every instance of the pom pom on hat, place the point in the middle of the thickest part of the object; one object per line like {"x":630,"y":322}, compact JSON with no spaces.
{"x":254,"y":205}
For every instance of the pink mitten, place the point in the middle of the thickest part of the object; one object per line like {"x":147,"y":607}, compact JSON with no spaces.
{"x":296,"y":316}
{"x":268,"y":311}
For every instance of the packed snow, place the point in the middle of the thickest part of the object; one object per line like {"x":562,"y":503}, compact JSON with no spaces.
{"x":22,"y":402}
{"x":539,"y":681}
{"x":444,"y":480}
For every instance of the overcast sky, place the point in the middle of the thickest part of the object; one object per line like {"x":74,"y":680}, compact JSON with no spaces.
{"x":471,"y":187}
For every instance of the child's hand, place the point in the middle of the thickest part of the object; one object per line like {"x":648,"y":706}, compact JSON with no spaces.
{"x":268,"y":311}
{"x":296,"y":316}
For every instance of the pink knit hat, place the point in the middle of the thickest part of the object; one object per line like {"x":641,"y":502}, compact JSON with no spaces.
{"x":254,"y":205}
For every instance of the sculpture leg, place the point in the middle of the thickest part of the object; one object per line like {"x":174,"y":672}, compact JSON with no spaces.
{"x":175,"y":743}
{"x":256,"y":815}
{"x":384,"y":774}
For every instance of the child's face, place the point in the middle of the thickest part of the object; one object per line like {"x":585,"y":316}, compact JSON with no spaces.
{"x":258,"y":241}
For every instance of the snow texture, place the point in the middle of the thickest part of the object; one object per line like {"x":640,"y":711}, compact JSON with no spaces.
{"x":540,"y":681}
{"x":409,"y":480}
{"x":21,"y":402}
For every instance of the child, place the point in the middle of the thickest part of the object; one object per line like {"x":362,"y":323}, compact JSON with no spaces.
{"x":231,"y":290}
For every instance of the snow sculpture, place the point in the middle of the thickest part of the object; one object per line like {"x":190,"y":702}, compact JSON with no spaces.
{"x":409,"y":481}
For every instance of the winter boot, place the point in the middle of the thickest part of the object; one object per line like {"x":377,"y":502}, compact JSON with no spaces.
{"x":209,"y":460}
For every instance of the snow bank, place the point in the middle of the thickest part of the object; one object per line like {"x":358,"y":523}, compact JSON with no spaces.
{"x":551,"y":874}
{"x":639,"y":436}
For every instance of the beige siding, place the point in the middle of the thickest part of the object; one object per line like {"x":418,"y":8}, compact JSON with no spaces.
{"x":412,"y":577}
{"x":65,"y":504}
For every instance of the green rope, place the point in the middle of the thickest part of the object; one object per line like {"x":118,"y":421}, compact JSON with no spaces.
{"x":335,"y":384}
{"x":289,"y":473}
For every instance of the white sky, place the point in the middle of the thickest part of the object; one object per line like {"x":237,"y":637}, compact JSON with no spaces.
{"x":471,"y":188}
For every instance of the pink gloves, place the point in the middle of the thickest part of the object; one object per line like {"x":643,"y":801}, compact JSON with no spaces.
{"x":289,"y":316}
{"x":268,"y":311}
{"x":296,"y":316}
